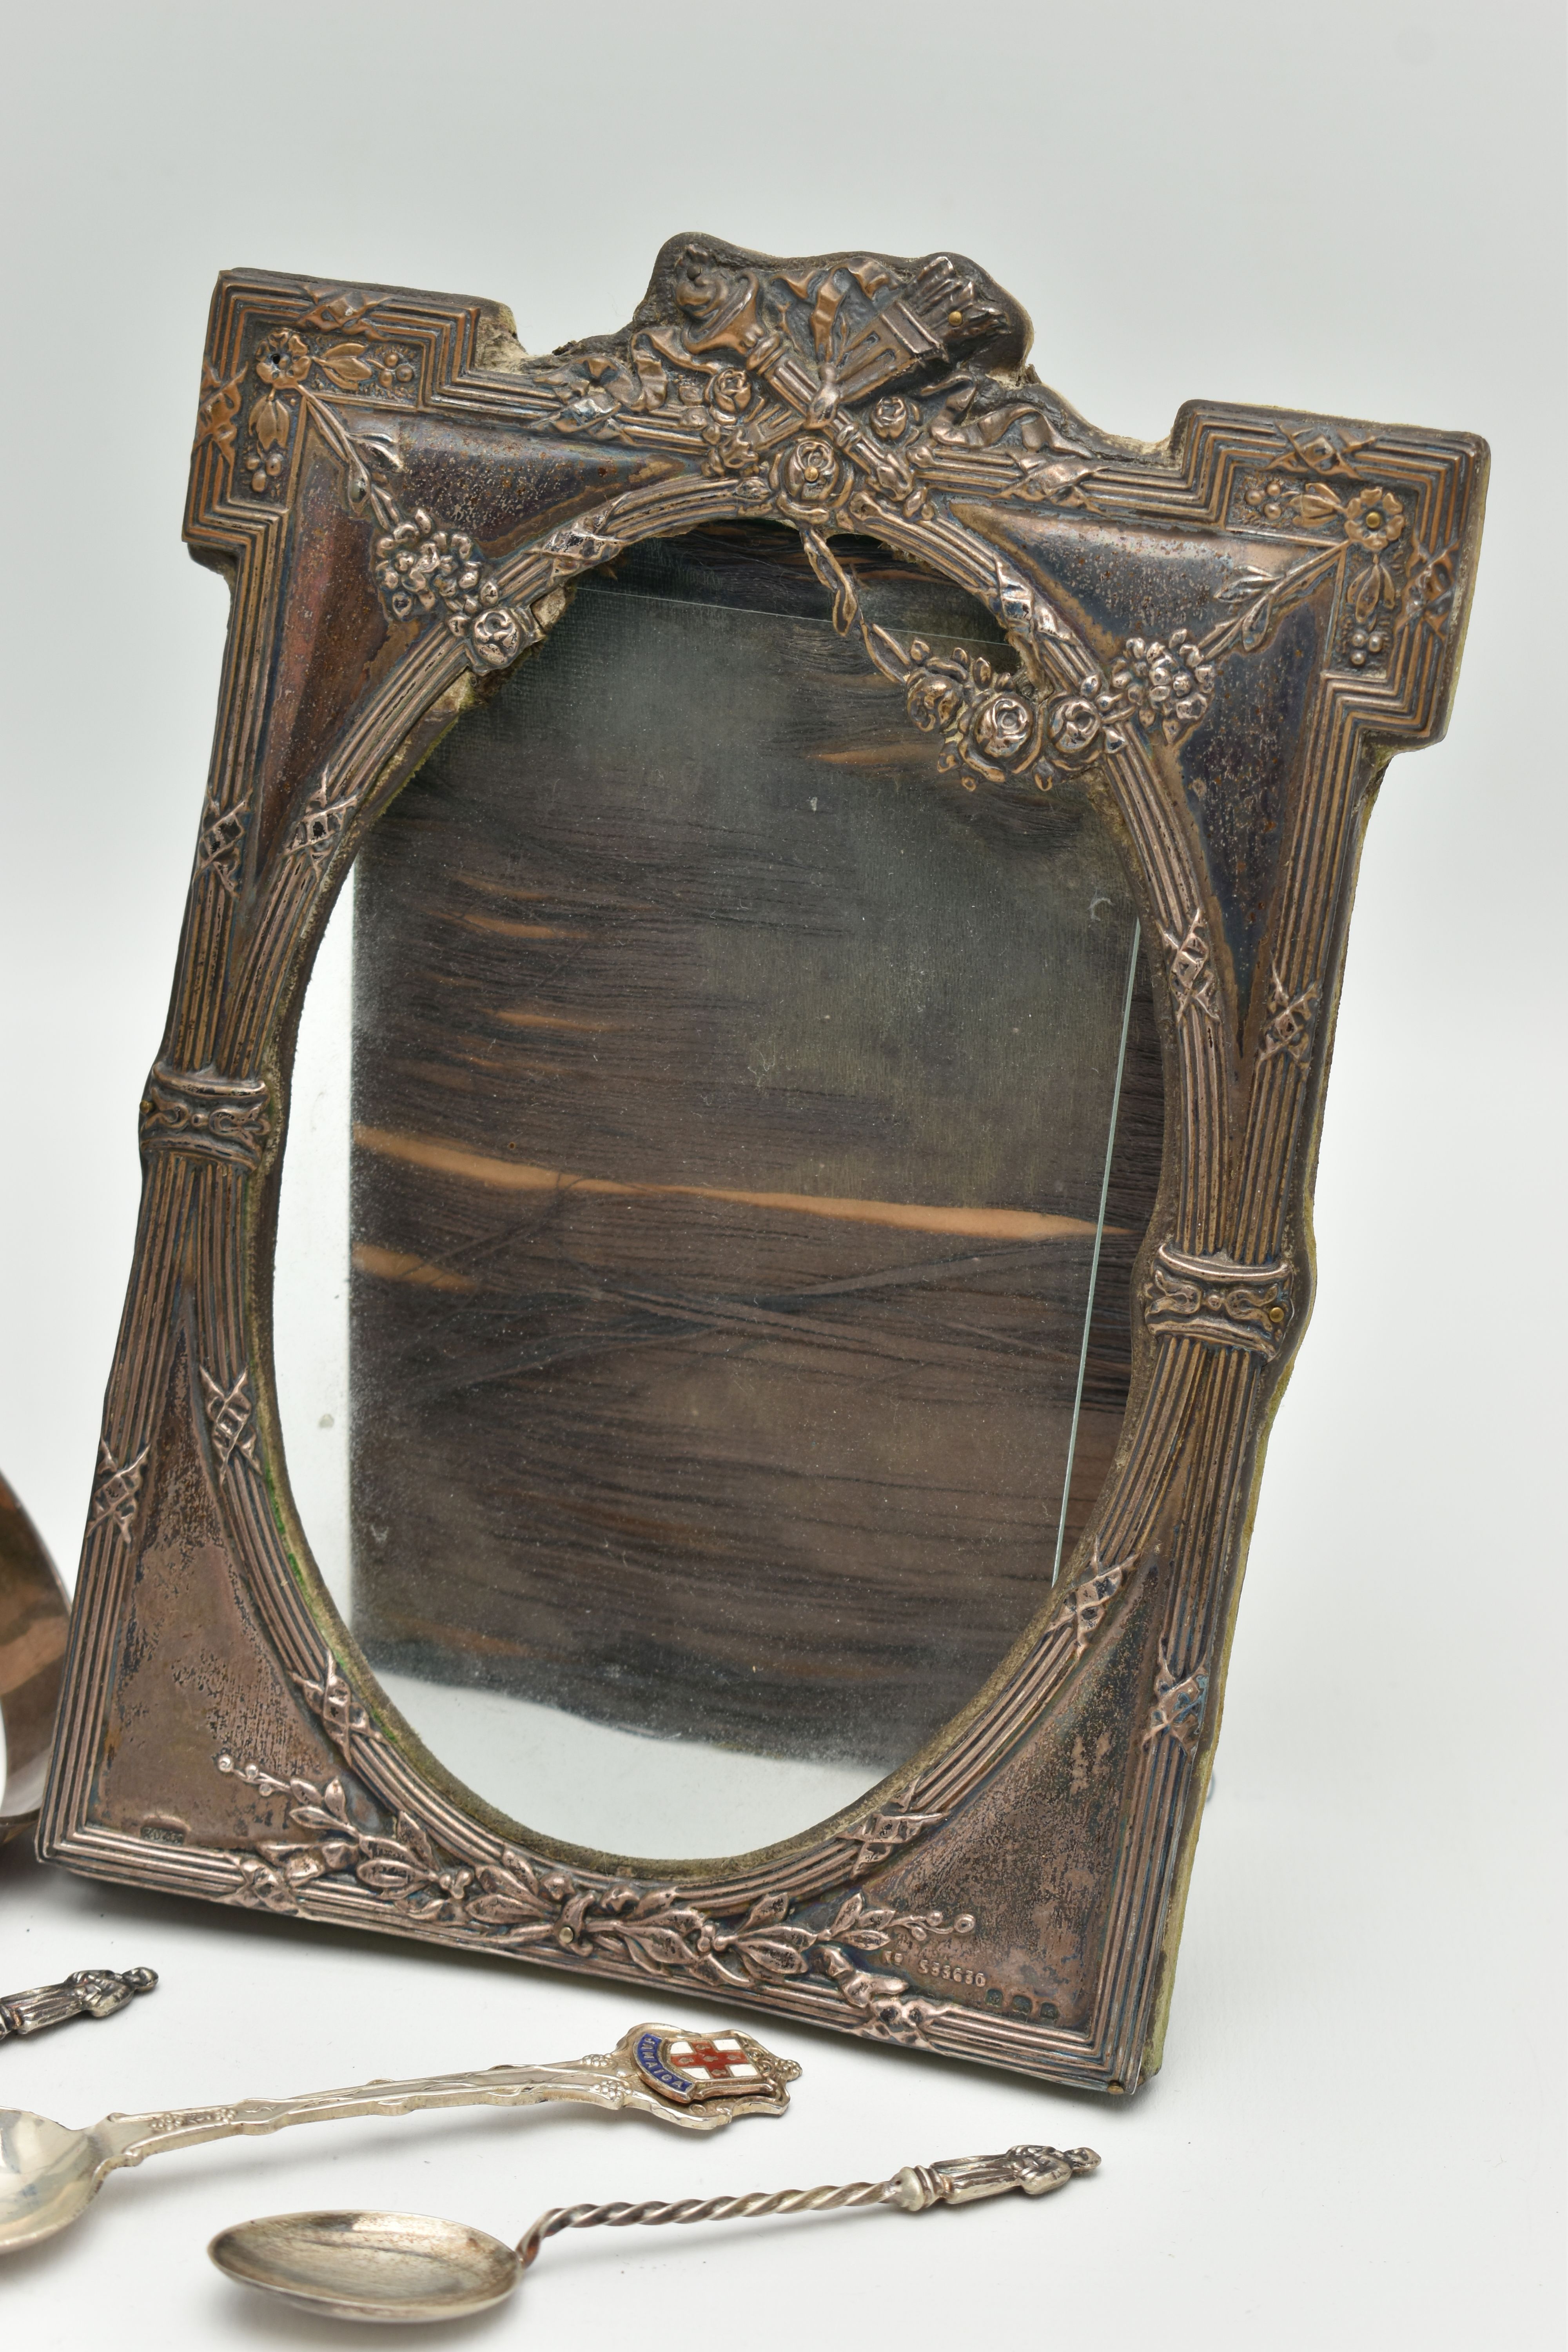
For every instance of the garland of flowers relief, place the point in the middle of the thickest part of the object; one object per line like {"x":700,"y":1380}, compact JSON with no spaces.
{"x":804,"y":392}
{"x":517,"y":1903}
{"x":420,"y":567}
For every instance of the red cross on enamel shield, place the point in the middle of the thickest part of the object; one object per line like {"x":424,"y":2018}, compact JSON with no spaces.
{"x":688,"y":2066}
{"x":718,"y":2058}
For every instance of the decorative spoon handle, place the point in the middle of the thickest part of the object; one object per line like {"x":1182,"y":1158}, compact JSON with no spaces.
{"x":952,"y":2181}
{"x":90,"y":1992}
{"x":698,"y":2081}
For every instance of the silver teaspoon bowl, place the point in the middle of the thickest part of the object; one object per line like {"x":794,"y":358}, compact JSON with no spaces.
{"x":48,"y":2174}
{"x":387,"y":2267}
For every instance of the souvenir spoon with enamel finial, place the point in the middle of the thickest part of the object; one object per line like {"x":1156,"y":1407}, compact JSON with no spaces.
{"x":412,"y":2267}
{"x":697,"y":2081}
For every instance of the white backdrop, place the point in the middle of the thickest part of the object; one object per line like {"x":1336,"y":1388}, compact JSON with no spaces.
{"x":1355,"y":208}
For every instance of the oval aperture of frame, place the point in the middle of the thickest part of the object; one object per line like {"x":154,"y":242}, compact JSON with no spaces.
{"x":720,"y":1140}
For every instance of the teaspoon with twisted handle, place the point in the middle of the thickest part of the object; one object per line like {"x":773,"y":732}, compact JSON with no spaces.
{"x":412,"y":2267}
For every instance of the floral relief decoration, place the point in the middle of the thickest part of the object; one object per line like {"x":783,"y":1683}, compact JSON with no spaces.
{"x":840,"y":399}
{"x":517,"y":1902}
{"x":752,"y":358}
{"x":419,"y":567}
{"x":1327,"y":485}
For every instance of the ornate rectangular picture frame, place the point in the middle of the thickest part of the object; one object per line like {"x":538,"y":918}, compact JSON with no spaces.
{"x":1222,"y":640}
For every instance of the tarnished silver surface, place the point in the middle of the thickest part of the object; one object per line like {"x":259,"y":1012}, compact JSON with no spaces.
{"x":90,"y":1992}
{"x":49,"y":2174}
{"x":378,"y":2266}
{"x":1218,"y":641}
{"x":405,"y":2267}
{"x":962,"y":2179}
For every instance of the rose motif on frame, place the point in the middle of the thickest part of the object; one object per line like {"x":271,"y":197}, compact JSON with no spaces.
{"x":807,"y":478}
